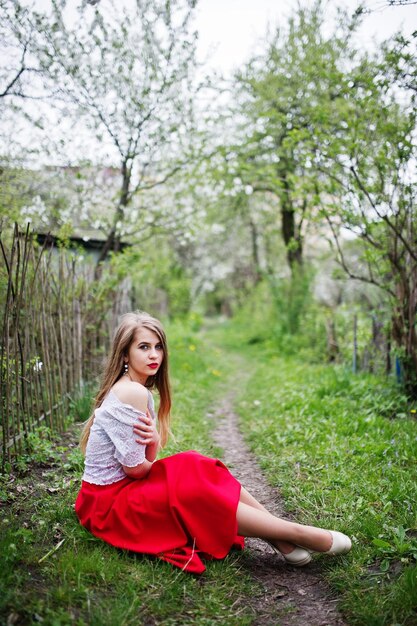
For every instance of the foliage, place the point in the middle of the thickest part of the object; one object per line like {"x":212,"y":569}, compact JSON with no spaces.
{"x":328,"y":132}
{"x":371,"y":176}
{"x":319,"y":141}
{"x":81,"y":401}
{"x":282,"y":318}
{"x":325,"y":135}
{"x":135,"y":110}
{"x":286,"y":95}
{"x":159,"y":282}
{"x":341,"y":449}
{"x":17,"y":189}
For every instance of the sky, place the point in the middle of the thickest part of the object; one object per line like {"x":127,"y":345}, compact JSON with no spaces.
{"x":229,"y":29}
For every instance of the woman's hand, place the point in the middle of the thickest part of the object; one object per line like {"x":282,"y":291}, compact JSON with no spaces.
{"x":146,"y":431}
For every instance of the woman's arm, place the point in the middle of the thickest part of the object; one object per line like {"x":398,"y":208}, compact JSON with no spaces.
{"x":148,"y":436}
{"x":136,"y":395}
{"x":140,"y":471}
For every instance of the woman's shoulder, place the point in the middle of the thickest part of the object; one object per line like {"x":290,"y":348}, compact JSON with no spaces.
{"x":131,"y":393}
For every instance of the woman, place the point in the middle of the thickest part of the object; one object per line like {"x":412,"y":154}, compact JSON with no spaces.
{"x":180,"y":508}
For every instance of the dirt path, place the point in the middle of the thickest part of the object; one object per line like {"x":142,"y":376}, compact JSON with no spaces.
{"x":290,"y":596}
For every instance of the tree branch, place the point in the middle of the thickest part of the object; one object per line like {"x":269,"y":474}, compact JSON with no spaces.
{"x":6,"y":92}
{"x":342,"y":261}
{"x":161,"y":181}
{"x":385,"y":218}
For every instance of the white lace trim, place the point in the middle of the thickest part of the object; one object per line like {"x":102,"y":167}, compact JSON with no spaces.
{"x":112,"y":442}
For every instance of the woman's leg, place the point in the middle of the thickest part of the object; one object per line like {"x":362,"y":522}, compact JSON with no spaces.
{"x":253,"y":521}
{"x":248,"y":498}
{"x":283,"y":546}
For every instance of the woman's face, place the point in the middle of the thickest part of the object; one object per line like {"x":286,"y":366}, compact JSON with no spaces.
{"x":145,"y":355}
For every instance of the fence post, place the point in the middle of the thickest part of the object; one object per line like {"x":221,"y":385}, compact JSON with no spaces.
{"x":50,"y":322}
{"x":355,"y":344}
{"x":398,"y":370}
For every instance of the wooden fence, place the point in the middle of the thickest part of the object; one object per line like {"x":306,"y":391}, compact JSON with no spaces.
{"x":56,"y":323}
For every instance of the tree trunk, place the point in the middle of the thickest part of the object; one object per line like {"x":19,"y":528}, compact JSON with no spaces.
{"x":292,"y":239}
{"x":113,"y":241}
{"x":255,"y":251}
{"x":404,"y":330}
{"x":333,"y":351}
{"x":290,"y":234}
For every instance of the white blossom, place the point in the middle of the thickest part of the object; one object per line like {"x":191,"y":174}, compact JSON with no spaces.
{"x":38,"y":365}
{"x":217,"y":229}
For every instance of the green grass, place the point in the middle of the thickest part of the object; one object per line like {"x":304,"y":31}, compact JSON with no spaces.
{"x":84,"y":581}
{"x":342,"y":450}
{"x":197,"y":382}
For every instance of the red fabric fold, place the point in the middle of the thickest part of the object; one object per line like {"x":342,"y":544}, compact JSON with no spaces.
{"x":183,"y":511}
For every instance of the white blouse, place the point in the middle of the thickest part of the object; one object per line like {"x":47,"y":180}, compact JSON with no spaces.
{"x":112,"y":442}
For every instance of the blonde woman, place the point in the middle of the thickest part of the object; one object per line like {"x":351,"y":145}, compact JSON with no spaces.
{"x":182,"y":508}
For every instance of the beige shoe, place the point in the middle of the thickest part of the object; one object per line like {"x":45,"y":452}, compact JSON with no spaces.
{"x":298,"y":557}
{"x":341,"y":543}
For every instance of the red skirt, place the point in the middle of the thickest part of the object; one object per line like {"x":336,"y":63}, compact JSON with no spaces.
{"x":184,"y":510}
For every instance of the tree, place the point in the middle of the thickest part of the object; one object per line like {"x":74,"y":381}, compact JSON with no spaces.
{"x":371,"y":172}
{"x":287,"y":95}
{"x":400,"y":63}
{"x":17,"y":71}
{"x":124,"y":80}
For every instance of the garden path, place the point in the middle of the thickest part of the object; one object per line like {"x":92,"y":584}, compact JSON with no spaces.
{"x":289,"y":596}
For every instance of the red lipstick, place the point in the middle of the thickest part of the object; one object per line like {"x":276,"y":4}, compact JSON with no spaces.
{"x":153,"y":366}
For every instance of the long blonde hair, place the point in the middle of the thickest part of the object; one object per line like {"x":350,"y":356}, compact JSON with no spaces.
{"x":123,"y":338}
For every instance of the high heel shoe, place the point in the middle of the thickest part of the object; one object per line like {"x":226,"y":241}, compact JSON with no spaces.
{"x":298,"y":557}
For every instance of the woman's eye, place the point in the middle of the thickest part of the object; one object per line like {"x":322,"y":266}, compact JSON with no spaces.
{"x":159,"y":346}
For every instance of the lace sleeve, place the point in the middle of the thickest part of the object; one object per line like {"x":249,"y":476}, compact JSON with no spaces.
{"x":119,"y":427}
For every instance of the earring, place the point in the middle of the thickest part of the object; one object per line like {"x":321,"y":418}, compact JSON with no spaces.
{"x":126,"y":368}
